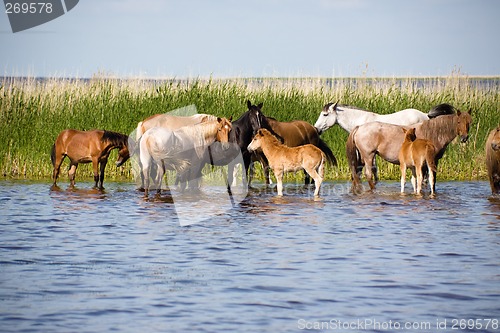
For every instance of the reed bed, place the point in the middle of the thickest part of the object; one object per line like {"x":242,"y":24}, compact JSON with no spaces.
{"x":33,"y":112}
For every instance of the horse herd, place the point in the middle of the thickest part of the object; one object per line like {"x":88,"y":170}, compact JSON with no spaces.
{"x":185,"y":144}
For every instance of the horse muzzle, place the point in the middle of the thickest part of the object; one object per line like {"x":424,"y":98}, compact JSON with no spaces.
{"x":464,"y":138}
{"x":495,"y":146}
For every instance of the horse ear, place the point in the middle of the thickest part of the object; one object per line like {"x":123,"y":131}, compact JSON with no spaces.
{"x":404,"y":130}
{"x":249,"y":104}
{"x":231,"y":119}
{"x":334,"y":107}
{"x":459,"y":112}
{"x":260,"y":105}
{"x":470,"y":110}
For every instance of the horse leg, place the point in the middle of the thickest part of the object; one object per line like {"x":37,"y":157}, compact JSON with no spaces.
{"x":369,"y":172}
{"x":279,"y":181}
{"x":102,"y":167}
{"x":307,"y":179}
{"x":95,"y":167}
{"x":318,"y":179}
{"x":160,"y":172}
{"x":432,"y":180}
{"x":402,"y":167}
{"x":72,"y":173}
{"x":57,"y":166}
{"x":414,"y":180}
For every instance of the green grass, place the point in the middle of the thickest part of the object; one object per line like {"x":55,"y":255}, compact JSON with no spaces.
{"x":33,"y":112}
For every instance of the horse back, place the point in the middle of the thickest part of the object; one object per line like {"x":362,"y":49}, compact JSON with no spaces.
{"x":296,"y":133}
{"x":78,"y":145}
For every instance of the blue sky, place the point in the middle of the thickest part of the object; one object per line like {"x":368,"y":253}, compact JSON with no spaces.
{"x":234,"y":38}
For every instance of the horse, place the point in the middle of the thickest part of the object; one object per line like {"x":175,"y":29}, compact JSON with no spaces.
{"x":493,"y":159}
{"x":416,"y":154}
{"x":348,"y":117}
{"x":293,"y":134}
{"x":284,"y":159}
{"x":85,"y":147}
{"x":178,"y":150}
{"x":376,"y":138}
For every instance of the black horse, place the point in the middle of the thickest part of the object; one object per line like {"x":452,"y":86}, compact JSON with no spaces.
{"x":240,"y":136}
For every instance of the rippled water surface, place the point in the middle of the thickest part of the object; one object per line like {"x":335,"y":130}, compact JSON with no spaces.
{"x":90,"y":261}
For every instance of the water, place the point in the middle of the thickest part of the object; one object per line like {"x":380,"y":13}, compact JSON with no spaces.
{"x":86,"y":261}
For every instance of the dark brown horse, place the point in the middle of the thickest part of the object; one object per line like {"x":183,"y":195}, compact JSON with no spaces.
{"x":371,"y":139}
{"x":85,"y":147}
{"x":493,"y":159}
{"x":293,"y":134}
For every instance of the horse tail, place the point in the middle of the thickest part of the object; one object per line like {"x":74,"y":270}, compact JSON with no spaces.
{"x":139,"y":132}
{"x":353,"y":157}
{"x":53,"y":155}
{"x":440,"y":110}
{"x":330,"y":157}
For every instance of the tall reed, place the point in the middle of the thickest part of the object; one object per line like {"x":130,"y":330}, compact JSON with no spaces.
{"x":33,"y":112}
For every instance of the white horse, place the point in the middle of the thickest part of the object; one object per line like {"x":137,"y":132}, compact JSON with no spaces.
{"x":178,"y":150}
{"x":349,"y":117}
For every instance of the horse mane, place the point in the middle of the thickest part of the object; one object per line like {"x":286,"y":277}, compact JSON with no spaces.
{"x":271,"y":137}
{"x":201,"y":128}
{"x":114,"y":138}
{"x":350,"y":107}
{"x":440,"y":128}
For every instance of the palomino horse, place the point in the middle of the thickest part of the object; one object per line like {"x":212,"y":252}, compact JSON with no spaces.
{"x":85,"y":147}
{"x":178,"y":150}
{"x":416,"y":154}
{"x":376,"y":138}
{"x":349,"y":117}
{"x":493,"y":159}
{"x":284,"y":159}
{"x":293,"y":134}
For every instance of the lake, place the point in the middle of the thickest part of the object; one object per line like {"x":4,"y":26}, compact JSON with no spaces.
{"x":90,"y":261}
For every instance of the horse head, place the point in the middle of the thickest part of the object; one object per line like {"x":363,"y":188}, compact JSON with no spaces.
{"x":223,"y":129}
{"x":327,"y":118}
{"x":256,"y":141}
{"x":495,"y":142}
{"x":464,"y":120}
{"x":255,"y":116}
{"x":123,"y":155}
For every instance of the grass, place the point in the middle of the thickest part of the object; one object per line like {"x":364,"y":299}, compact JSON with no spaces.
{"x":33,"y":112}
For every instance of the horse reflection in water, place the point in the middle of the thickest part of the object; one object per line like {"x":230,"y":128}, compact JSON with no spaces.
{"x":87,"y":147}
{"x":178,"y":150}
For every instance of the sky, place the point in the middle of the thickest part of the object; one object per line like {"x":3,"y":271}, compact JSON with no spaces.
{"x":261,"y":38}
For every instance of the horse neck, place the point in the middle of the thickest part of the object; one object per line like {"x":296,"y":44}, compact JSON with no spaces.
{"x":270,"y":144}
{"x":208,"y":131}
{"x":349,"y":118}
{"x":441,"y":130}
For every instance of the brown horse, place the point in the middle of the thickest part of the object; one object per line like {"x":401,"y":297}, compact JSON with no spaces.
{"x":416,"y":154}
{"x":293,"y":134}
{"x":283,"y":158}
{"x":493,"y":159}
{"x":85,"y":147}
{"x":375,"y":138}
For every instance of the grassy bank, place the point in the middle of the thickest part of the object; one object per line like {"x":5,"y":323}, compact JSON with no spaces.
{"x":33,"y":112}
